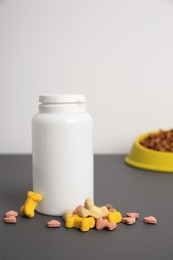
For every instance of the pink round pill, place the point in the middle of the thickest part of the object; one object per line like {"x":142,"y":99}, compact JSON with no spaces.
{"x":11,"y":213}
{"x":101,"y":223}
{"x":150,"y":220}
{"x":77,"y":209}
{"x":53,"y":223}
{"x":129,"y":220}
{"x":111,"y":226}
{"x":10,"y":219}
{"x":132,"y":214}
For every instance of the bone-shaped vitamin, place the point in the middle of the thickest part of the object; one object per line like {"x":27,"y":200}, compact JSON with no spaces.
{"x":28,"y":208}
{"x":90,"y":209}
{"x":114,"y":217}
{"x":75,"y":221}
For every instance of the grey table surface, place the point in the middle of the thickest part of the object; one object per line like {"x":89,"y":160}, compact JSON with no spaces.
{"x":126,"y":188}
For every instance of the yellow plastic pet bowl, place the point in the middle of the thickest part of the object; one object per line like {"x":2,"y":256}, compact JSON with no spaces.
{"x":148,"y":159}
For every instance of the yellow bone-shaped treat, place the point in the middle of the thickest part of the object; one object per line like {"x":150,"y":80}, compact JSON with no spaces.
{"x":114,"y":217}
{"x":30,"y":204}
{"x":75,"y":221}
{"x":90,"y":209}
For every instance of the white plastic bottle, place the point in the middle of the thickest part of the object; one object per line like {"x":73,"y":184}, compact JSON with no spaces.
{"x":62,"y":153}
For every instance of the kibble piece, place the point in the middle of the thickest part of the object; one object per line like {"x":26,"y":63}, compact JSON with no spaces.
{"x":11,"y":213}
{"x":150,"y":220}
{"x":129,"y":220}
{"x":132,"y":214}
{"x":10,"y":219}
{"x":53,"y":223}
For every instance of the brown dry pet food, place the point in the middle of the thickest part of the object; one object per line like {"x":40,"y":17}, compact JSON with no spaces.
{"x":162,"y":141}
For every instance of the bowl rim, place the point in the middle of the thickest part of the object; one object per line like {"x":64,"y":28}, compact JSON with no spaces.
{"x":146,"y":151}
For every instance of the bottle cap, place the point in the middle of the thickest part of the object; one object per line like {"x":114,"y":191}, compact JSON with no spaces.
{"x":61,"y":98}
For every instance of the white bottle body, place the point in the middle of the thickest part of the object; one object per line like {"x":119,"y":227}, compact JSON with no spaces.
{"x":62,"y":156}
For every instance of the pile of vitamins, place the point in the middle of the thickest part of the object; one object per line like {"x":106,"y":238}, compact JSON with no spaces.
{"x":161,"y":141}
{"x":90,"y":216}
{"x":83,"y":217}
{"x":100,"y":217}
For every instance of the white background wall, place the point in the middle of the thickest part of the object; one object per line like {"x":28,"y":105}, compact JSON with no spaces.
{"x":119,"y":53}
